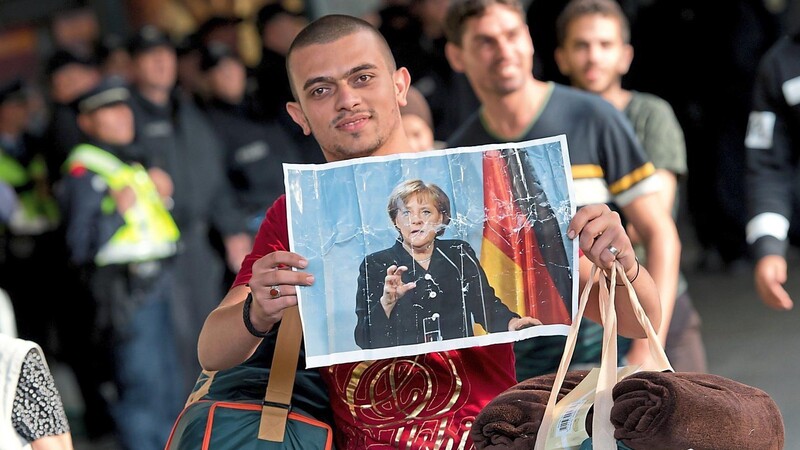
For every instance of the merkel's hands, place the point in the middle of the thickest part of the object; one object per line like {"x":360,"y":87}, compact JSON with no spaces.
{"x":274,"y":287}
{"x":394,"y":288}
{"x":770,"y":275}
{"x":519,"y":323}
{"x":602,"y":238}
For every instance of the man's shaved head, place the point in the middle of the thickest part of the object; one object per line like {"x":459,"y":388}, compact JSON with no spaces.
{"x":330,"y":28}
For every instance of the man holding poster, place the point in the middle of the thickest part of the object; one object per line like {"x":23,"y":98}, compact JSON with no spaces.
{"x":348,"y":93}
{"x":415,"y":268}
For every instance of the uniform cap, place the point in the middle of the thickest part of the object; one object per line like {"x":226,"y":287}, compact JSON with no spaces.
{"x":108,"y":45}
{"x":269,"y":12}
{"x":214,"y":23}
{"x":62,"y":58}
{"x":148,"y":37}
{"x":109,"y":92}
{"x":213,"y":54}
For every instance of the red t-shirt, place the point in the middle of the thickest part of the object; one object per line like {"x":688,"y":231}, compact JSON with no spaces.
{"x":415,"y":402}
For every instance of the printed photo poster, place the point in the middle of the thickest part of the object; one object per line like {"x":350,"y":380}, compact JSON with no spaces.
{"x":439,"y":250}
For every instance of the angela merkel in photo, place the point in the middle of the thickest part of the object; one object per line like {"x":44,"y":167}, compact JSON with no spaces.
{"x":424,"y":288}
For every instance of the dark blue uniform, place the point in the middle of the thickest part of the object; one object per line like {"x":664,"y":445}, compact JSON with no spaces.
{"x":179,"y":139}
{"x":254,"y":153}
{"x":773,"y":151}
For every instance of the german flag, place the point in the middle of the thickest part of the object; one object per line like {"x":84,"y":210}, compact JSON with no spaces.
{"x":522,"y":251}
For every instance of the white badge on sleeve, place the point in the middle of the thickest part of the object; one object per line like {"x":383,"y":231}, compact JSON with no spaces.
{"x":791,"y":91}
{"x":760,"y":129}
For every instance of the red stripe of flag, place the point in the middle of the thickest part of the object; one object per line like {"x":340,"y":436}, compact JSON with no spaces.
{"x":510,"y":255}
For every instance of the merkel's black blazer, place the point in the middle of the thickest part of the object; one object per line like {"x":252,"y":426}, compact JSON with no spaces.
{"x":454,"y":287}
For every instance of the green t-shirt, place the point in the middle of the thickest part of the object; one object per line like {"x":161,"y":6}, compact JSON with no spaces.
{"x":662,"y":138}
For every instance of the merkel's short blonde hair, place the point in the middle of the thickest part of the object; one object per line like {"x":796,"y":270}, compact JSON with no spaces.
{"x":403,"y":191}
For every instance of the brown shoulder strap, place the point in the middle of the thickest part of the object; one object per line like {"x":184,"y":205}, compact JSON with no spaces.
{"x":205,"y":380}
{"x":275,"y":410}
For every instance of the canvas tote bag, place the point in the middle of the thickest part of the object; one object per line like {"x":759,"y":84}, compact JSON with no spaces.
{"x":596,"y":388}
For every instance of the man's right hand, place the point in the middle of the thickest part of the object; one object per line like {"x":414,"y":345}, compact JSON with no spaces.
{"x":162,"y":182}
{"x":275,"y":270}
{"x":770,"y":275}
{"x":124,"y":198}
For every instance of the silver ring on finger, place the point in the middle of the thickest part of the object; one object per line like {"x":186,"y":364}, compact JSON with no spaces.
{"x":613,"y":250}
{"x":274,"y":292}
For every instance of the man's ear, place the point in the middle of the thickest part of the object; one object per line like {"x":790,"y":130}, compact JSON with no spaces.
{"x":561,"y":61}
{"x":626,"y":59}
{"x":296,"y":112}
{"x":402,"y":80}
{"x":85,"y":123}
{"x":454,"y":56}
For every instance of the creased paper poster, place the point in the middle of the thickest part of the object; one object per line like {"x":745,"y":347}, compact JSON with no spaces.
{"x":422,"y":252}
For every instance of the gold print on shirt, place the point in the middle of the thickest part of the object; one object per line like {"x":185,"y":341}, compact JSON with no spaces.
{"x":401,"y":388}
{"x":404,"y":400}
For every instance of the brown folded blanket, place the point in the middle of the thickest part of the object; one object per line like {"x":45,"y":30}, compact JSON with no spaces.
{"x":511,"y":420}
{"x":654,"y":411}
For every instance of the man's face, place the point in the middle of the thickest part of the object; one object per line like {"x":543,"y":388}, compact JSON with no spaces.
{"x":418,"y":221}
{"x":14,"y":114}
{"x":432,"y":13}
{"x":227,"y":80}
{"x":71,"y":81}
{"x":594,"y":55}
{"x":349,"y":97}
{"x":111,"y":124}
{"x":496,"y":52}
{"x":420,"y":135}
{"x":118,"y":63}
{"x":281,"y":31}
{"x":156,"y":68}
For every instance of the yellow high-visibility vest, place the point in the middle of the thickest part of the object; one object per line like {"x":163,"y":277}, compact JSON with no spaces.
{"x":38,"y":210}
{"x":149,"y":232}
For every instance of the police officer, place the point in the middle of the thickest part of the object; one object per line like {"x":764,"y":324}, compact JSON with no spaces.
{"x":773,"y":149}
{"x":120,"y":231}
{"x":68,"y":76}
{"x":22,"y":165}
{"x":35,"y":249}
{"x":174,"y":135}
{"x":29,"y":241}
{"x":254,"y":148}
{"x":277,"y":27}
